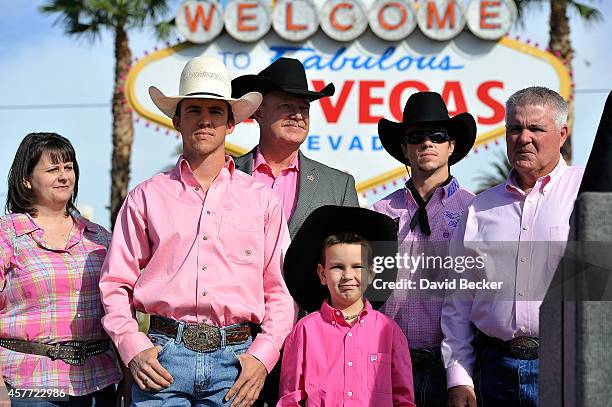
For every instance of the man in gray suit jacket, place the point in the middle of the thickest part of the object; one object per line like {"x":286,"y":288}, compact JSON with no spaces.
{"x":302,"y":184}
{"x":283,"y":117}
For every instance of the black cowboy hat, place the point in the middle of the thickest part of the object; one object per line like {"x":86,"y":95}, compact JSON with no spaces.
{"x":304,"y":253}
{"x":286,"y":74}
{"x":428,"y":108}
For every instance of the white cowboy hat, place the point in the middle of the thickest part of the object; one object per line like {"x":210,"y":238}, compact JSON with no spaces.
{"x":206,"y":78}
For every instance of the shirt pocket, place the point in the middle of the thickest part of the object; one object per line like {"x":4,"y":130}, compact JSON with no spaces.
{"x":379,"y":372}
{"x":32,"y":283}
{"x":241,"y":236}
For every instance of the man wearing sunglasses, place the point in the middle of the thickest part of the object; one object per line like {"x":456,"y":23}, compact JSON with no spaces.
{"x":427,"y":211}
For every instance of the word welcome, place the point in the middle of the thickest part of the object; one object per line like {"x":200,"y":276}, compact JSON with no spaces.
{"x":200,"y":21}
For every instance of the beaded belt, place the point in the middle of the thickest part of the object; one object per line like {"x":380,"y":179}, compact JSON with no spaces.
{"x":71,"y":352}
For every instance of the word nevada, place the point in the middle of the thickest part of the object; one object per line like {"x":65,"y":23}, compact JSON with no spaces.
{"x":202,"y":21}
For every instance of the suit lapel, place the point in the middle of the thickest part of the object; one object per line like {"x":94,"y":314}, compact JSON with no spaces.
{"x":245,"y":162}
{"x":309,"y":179}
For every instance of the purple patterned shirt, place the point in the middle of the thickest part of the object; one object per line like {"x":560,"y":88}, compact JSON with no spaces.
{"x":417,"y":311}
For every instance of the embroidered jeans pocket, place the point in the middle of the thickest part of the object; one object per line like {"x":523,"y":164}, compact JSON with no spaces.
{"x":379,"y":372}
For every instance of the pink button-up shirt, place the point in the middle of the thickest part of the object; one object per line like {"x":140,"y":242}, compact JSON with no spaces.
{"x":528,"y":229}
{"x":417,"y":312}
{"x":327,"y":362}
{"x":198,"y":257}
{"x":285,"y":185}
{"x":51,"y":295}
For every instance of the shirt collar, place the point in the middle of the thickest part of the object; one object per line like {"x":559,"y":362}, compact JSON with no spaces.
{"x":334,"y":316}
{"x":261,"y":160}
{"x":85,"y":224}
{"x":183,"y":172}
{"x":543,"y":184}
{"x":23,"y":224}
{"x":82,"y":225}
{"x":451,"y":188}
{"x":442,"y":193}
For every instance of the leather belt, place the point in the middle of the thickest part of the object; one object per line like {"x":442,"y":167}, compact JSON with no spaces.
{"x":425,"y":359}
{"x":202,"y":337}
{"x":521,"y":347}
{"x":71,"y":352}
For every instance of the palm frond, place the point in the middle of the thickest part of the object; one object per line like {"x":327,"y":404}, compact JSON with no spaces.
{"x":70,"y":16}
{"x":87,"y":18}
{"x":589,"y":15}
{"x":522,"y":6}
{"x":164,"y":29}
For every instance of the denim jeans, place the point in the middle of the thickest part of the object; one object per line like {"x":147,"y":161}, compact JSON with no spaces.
{"x":506,"y":381}
{"x":430,"y":387}
{"x":200,"y":379}
{"x":101,"y":398}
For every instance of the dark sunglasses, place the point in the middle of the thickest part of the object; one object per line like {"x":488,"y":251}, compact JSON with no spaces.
{"x":436,"y":136}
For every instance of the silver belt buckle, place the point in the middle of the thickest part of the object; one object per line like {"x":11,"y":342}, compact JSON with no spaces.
{"x":524,"y":347}
{"x":201,"y":338}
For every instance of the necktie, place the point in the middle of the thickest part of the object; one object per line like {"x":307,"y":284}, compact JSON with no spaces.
{"x":420,"y":216}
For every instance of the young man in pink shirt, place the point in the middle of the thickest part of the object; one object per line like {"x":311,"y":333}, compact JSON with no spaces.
{"x":344,"y":353}
{"x":200,"y":248}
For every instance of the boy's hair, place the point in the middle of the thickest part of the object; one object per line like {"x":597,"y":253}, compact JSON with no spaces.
{"x":347,"y":238}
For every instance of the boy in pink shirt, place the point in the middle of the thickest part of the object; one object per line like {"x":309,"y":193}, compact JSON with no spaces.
{"x":344,"y":353}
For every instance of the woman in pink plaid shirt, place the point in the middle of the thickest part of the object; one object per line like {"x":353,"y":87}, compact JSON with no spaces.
{"x":53,"y":349}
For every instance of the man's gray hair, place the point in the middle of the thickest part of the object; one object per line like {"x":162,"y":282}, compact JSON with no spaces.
{"x":540,"y":96}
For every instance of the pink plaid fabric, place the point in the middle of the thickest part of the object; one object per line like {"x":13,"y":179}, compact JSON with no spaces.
{"x":50,"y":296}
{"x":417,"y":312}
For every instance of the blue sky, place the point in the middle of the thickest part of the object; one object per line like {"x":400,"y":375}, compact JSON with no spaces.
{"x":42,"y":66}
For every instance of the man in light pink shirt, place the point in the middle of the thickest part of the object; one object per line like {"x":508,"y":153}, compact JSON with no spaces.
{"x":200,"y":248}
{"x":519,"y":227}
{"x":427,"y":210}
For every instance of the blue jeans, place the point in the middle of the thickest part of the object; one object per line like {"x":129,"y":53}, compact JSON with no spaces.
{"x":506,"y":381}
{"x":430,"y":387}
{"x":200,"y":379}
{"x":100,"y":398}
